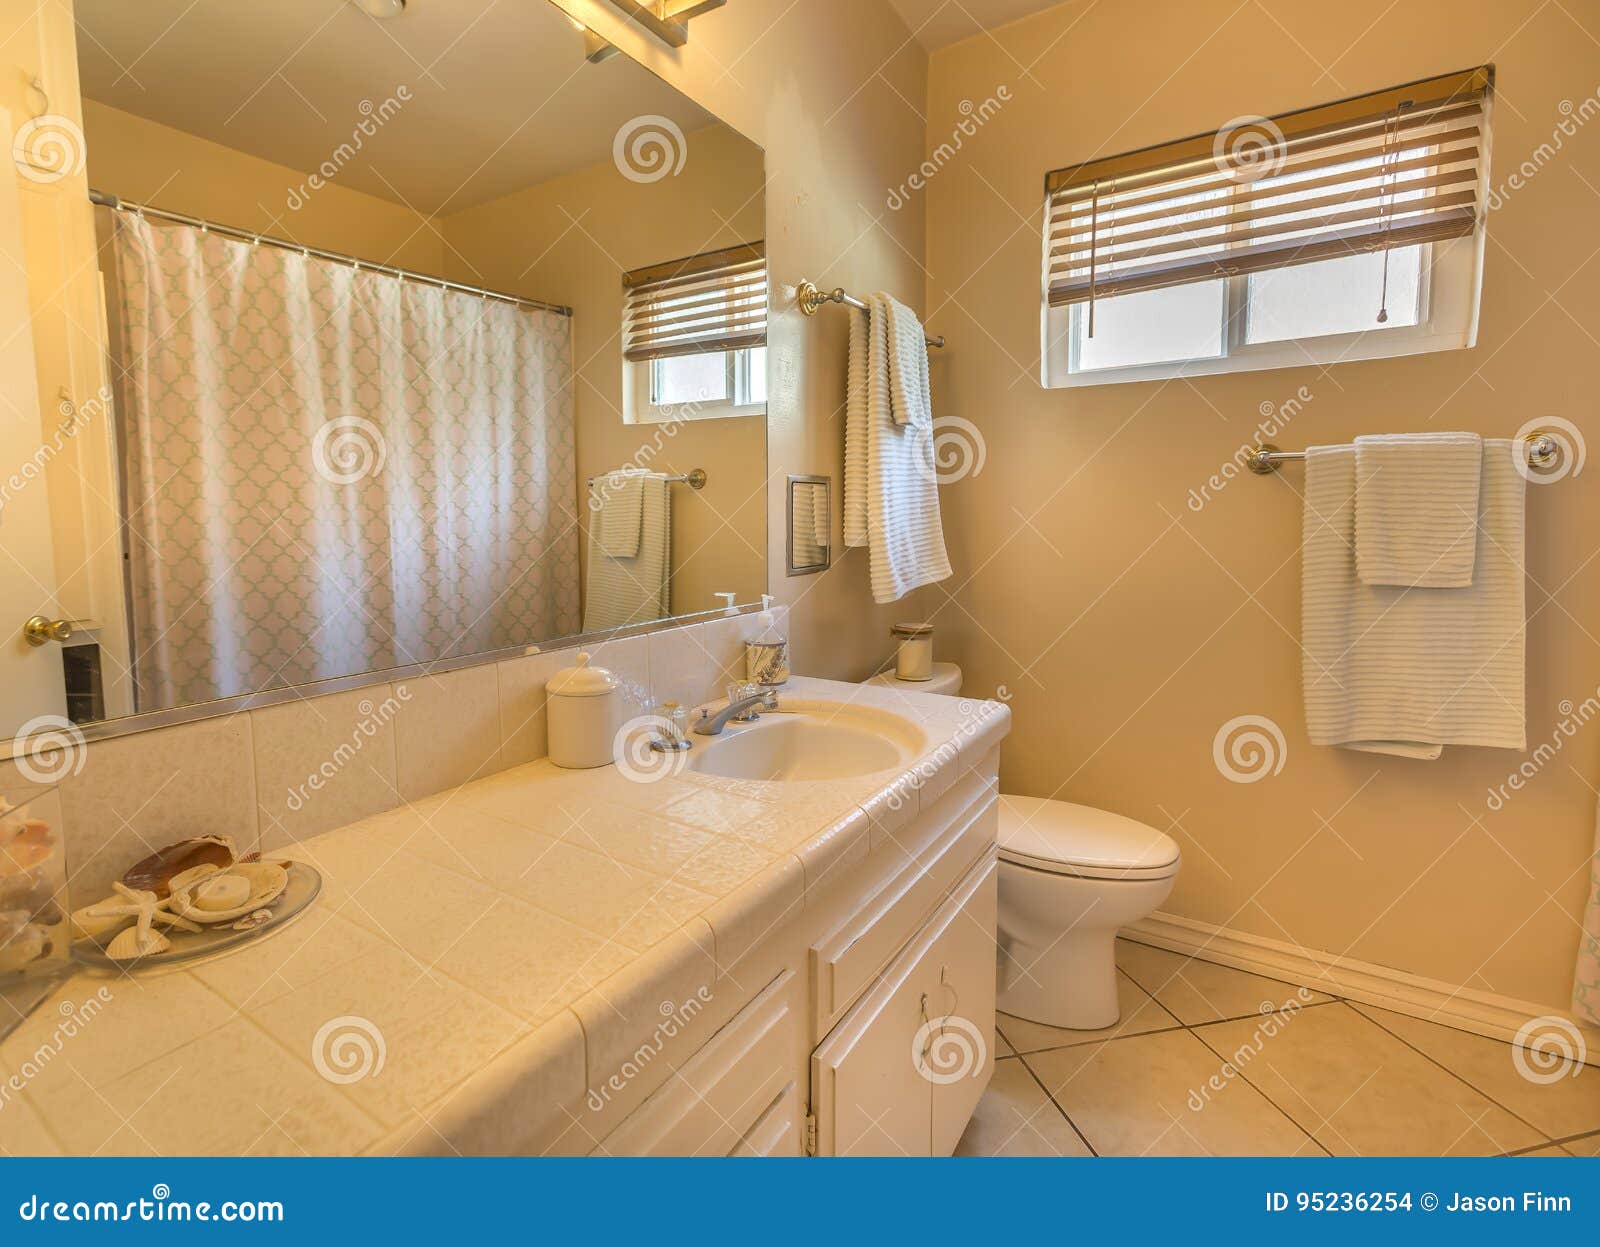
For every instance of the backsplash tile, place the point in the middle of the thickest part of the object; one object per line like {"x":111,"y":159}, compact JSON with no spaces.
{"x":249,"y":775}
{"x":140,"y":793}
{"x":447,"y":730}
{"x":323,"y":762}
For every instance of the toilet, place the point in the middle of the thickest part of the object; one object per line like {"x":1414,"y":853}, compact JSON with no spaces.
{"x":1071,"y":877}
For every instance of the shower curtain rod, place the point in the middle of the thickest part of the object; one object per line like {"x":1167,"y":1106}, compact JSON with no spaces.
{"x":103,"y":199}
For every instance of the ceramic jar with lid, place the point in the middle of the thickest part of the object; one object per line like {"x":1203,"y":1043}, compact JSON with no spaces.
{"x":584,"y":705}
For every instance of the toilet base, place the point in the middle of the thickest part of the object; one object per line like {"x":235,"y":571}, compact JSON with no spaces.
{"x":1072,"y":985}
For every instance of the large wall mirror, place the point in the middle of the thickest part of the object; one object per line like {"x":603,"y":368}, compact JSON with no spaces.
{"x":360,"y":342}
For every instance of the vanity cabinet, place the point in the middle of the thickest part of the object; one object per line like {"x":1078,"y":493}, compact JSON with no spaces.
{"x":877,"y":1086}
{"x":869,"y":1027}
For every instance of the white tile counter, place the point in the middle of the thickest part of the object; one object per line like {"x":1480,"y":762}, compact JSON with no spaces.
{"x":482,"y":940}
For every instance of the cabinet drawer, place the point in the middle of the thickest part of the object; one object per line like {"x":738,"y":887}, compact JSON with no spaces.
{"x":714,"y":1102}
{"x":875,"y":1091}
{"x":847,"y":960}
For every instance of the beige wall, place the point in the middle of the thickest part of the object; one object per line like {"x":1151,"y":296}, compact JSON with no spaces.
{"x":832,"y":90}
{"x":147,"y":162}
{"x":1129,"y":627}
{"x":569,"y":240}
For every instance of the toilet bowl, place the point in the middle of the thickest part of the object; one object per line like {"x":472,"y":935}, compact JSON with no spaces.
{"x":1071,"y":876}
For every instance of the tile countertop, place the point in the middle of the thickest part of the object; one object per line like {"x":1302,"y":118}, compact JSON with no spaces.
{"x":462,"y":971}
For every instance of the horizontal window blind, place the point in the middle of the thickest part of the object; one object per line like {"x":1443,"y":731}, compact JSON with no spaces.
{"x":1390,"y":169}
{"x":716,"y":301}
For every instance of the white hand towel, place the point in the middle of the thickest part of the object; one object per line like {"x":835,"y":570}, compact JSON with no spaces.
{"x":621,"y":498}
{"x":891,"y":493}
{"x":909,"y":398}
{"x":1406,"y":671}
{"x":1417,"y":508}
{"x":622,"y":591}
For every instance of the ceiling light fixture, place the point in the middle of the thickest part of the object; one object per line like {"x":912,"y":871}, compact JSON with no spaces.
{"x":381,"y":9}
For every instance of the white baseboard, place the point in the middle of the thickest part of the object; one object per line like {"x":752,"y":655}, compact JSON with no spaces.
{"x":1482,"y":1013}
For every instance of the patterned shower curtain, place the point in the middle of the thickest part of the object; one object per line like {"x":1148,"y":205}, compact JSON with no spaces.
{"x":331,"y":470}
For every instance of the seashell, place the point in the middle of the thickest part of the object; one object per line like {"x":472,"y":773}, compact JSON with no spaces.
{"x":26,"y":943}
{"x":28,"y":845}
{"x":250,"y":921}
{"x":193,"y":875}
{"x":92,"y":922}
{"x":155,"y":873}
{"x":134,"y":943}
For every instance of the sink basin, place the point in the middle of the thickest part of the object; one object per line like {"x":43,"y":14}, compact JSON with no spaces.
{"x":819,"y":740}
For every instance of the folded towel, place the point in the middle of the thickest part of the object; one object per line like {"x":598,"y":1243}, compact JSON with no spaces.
{"x":1417,"y":508}
{"x":1408,"y":670}
{"x":910,"y":402}
{"x":621,"y":591}
{"x":891,"y":502}
{"x":621,"y":513}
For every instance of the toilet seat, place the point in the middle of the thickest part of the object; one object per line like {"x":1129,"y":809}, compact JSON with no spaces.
{"x":1081,"y":841}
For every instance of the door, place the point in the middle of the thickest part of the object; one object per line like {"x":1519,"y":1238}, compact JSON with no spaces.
{"x":30,"y":675}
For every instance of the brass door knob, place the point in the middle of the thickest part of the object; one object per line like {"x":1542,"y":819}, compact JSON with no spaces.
{"x":39,"y":630}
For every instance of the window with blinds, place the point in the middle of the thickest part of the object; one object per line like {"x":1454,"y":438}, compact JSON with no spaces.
{"x":706,"y":303}
{"x":1213,"y":253}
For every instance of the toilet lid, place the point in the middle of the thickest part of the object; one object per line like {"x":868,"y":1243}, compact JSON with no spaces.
{"x":1080,"y":840}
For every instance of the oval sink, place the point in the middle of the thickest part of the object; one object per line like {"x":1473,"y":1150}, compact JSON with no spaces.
{"x":819,"y":741}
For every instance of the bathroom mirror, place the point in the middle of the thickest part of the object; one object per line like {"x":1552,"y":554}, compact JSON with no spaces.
{"x":810,"y":518}
{"x":359,"y":343}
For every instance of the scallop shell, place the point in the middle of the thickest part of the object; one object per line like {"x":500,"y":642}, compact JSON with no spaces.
{"x":133,"y":943}
{"x":155,"y":873}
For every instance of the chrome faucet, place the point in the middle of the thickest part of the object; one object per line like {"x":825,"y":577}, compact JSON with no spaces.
{"x":738,"y":710}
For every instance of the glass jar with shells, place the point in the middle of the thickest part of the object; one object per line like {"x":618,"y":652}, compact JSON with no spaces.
{"x":35,"y":939}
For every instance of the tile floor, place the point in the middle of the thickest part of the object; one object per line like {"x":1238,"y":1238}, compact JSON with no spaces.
{"x":1208,"y":1060}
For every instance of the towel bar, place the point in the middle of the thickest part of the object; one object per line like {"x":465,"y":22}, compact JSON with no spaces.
{"x":695,"y":478}
{"x":1265,"y":458}
{"x":811,"y":299}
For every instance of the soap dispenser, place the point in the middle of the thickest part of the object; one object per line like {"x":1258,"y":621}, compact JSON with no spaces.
{"x":766,"y":658}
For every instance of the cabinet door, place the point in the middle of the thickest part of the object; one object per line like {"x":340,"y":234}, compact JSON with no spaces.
{"x":960,"y":1053}
{"x":874,"y":1087}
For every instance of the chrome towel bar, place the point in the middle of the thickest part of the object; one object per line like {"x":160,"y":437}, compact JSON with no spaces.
{"x":811,"y":299}
{"x":1542,"y":448}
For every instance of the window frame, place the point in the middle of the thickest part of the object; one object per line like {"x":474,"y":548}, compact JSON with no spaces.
{"x":638,"y":397}
{"x":1447,"y":319}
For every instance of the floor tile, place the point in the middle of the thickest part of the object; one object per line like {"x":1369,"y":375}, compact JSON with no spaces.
{"x":1361,"y":1091}
{"x":1001,"y":1047}
{"x":1016,"y":1118}
{"x":1552,"y":1150}
{"x":1589,"y":1145}
{"x":1164,"y":1095}
{"x":1567,"y":1104}
{"x":1139,"y":1014}
{"x":1196,"y":991}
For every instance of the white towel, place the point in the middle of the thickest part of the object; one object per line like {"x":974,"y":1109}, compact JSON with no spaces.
{"x":621,"y":591}
{"x":909,"y":400}
{"x":1417,"y":508}
{"x":891,"y":502}
{"x":809,"y":526}
{"x":1408,"y":671}
{"x":621,"y":496}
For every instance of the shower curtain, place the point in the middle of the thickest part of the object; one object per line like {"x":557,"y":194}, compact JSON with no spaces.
{"x":331,"y":470}
{"x":1586,"y":983}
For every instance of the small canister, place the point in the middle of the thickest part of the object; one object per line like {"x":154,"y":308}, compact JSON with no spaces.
{"x":914,"y":659}
{"x":583,"y":704}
